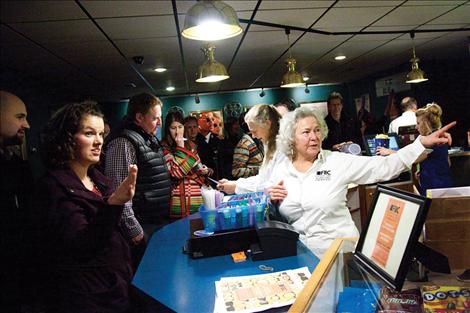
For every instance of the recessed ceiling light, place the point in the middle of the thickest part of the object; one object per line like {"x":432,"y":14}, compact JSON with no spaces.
{"x":340,"y":57}
{"x":170,"y":88}
{"x":159,"y":69}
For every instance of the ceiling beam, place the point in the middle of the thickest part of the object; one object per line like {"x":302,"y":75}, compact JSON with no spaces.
{"x":243,"y":38}
{"x":298,"y":38}
{"x":180,"y":43}
{"x":115,"y":46}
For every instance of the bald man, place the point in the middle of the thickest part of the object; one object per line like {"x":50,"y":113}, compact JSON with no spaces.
{"x":13,"y":123}
{"x":408,"y":106}
{"x":15,"y":192}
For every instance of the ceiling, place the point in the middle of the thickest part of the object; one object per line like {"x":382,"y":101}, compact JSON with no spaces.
{"x":87,"y":46}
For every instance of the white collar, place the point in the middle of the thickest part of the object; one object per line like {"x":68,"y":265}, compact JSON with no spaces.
{"x":208,"y":137}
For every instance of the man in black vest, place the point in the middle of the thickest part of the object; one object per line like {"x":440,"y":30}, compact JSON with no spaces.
{"x":134,"y":142}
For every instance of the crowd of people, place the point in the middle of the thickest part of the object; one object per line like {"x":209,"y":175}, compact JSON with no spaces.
{"x":87,"y":222}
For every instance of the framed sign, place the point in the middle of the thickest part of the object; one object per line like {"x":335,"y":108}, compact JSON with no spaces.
{"x":389,"y":237}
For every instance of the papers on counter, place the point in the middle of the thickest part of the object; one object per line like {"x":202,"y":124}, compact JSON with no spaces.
{"x":448,"y":192}
{"x":256,"y":293}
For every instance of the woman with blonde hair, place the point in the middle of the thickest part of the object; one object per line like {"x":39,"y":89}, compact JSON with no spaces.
{"x":434,"y":169}
{"x":263,"y":121}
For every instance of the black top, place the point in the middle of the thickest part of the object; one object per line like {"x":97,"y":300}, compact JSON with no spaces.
{"x":346,"y":130}
{"x":209,"y":152}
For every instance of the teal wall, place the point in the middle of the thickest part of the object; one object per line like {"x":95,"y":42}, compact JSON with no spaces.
{"x":250,"y":98}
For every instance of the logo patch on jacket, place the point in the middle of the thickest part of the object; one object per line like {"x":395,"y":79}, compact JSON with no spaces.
{"x":323,"y":175}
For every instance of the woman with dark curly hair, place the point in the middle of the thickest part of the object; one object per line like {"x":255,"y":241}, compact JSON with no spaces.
{"x":84,"y":259}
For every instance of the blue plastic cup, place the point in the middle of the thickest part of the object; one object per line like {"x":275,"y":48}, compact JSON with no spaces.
{"x":259,"y":213}
{"x":208,"y":218}
{"x":245,"y":216}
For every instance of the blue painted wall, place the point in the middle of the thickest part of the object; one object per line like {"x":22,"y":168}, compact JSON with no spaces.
{"x":250,"y":98}
{"x":114,"y":112}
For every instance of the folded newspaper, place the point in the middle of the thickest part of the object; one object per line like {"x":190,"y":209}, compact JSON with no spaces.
{"x":254,"y":293}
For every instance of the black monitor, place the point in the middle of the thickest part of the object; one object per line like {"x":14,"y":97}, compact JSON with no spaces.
{"x":407,"y":134}
{"x":394,"y":143}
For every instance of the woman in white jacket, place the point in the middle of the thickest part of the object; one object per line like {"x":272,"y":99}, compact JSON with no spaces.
{"x":263,"y":122}
{"x":313,"y":182}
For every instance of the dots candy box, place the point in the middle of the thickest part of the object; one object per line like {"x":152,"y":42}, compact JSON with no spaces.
{"x":453,"y":299}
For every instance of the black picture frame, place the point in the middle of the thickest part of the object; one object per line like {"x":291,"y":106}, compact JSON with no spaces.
{"x":390,"y":262}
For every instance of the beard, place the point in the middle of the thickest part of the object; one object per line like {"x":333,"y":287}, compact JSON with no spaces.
{"x":16,"y":140}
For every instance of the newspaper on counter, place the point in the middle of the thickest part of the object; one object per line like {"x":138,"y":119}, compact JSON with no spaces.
{"x":254,"y":293}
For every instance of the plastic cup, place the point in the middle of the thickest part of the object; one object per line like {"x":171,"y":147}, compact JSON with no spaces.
{"x":245,"y":216}
{"x":351,"y":148}
{"x":259,"y":213}
{"x":208,"y":218}
{"x":381,"y":141}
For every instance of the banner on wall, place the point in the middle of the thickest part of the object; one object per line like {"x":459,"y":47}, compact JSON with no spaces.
{"x":362,"y":103}
{"x":320,"y":107}
{"x":396,"y":82}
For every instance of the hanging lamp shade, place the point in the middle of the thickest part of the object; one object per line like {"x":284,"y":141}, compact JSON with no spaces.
{"x":416,"y":75}
{"x":292,"y":78}
{"x":211,"y":20}
{"x":211,"y":70}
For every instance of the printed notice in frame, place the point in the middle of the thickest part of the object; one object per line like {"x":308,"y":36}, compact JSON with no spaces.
{"x":388,"y":230}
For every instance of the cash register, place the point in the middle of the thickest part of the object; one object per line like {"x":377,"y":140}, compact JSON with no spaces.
{"x":265,"y":240}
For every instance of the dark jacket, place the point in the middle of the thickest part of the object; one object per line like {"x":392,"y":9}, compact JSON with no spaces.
{"x":15,"y":209}
{"x":84,"y":259}
{"x":347,"y":129}
{"x":151,"y":203}
{"x":209,"y":153}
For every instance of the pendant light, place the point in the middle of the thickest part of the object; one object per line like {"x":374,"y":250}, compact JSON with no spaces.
{"x":291,"y":78}
{"x":211,"y":70}
{"x":416,"y":75}
{"x":211,"y":20}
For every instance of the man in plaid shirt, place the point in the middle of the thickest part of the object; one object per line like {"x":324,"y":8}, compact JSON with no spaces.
{"x":134,"y":142}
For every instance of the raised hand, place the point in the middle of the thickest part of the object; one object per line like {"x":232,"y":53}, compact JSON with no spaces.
{"x":126,"y":189}
{"x":439,"y":137}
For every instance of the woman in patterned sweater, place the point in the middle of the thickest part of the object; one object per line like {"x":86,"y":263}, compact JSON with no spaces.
{"x":185,"y":168}
{"x":248,"y":154}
